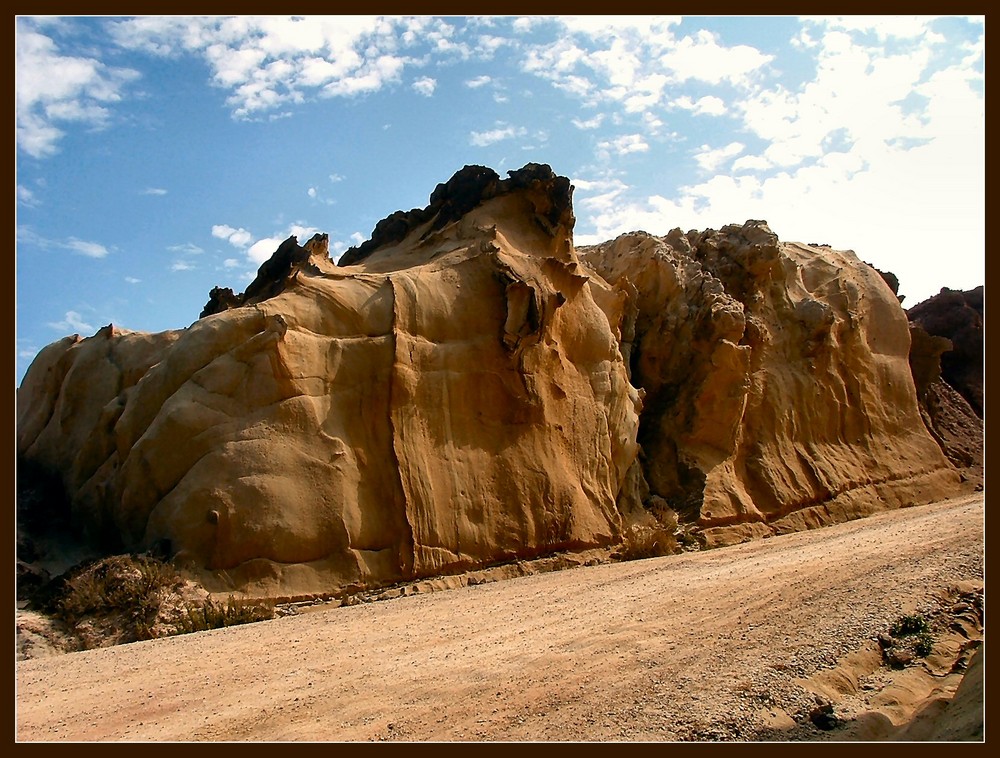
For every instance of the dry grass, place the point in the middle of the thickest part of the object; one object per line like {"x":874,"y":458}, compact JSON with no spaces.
{"x":648,"y":542}
{"x":128,"y":598}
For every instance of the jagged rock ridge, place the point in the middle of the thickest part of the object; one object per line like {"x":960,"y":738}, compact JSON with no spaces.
{"x":465,"y":388}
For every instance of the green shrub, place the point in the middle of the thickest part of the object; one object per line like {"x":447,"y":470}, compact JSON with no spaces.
{"x":910,"y":637}
{"x":909,"y":626}
{"x":924,"y":645}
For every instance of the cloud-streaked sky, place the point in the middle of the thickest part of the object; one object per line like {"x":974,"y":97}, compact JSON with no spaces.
{"x":158,"y":157}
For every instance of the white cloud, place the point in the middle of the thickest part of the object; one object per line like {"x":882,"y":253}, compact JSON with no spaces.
{"x":857,"y":93}
{"x":181,"y":266}
{"x":73,"y":322}
{"x":598,"y":197}
{"x":709,"y":105}
{"x":645,"y":93}
{"x":336,"y":178}
{"x":425,"y":86}
{"x":263,"y":249}
{"x":266,"y":62}
{"x":524,"y":24}
{"x":615,"y":26}
{"x":590,"y":123}
{"x":883,"y":199}
{"x":83,"y":247}
{"x":231,"y":263}
{"x":751,"y":163}
{"x":633,"y":61}
{"x":628,"y":143}
{"x":236,"y":237}
{"x":51,"y":87}
{"x":882,"y":27}
{"x":502,"y":132}
{"x":188,"y":248}
{"x":132,"y":280}
{"x":709,"y":159}
{"x":488,"y":44}
{"x":652,"y":124}
{"x":90,"y":249}
{"x":302,"y":232}
{"x":560,"y":57}
{"x":311,"y":192}
{"x":702,"y":58}
{"x":477,"y":81}
{"x":153,"y":191}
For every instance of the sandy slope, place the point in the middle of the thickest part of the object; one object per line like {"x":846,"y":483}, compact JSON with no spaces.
{"x":714,"y":645}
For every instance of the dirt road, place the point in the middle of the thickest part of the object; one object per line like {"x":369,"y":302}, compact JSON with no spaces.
{"x":700,"y":646}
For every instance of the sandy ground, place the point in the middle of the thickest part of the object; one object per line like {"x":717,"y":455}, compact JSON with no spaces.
{"x":730,"y":644}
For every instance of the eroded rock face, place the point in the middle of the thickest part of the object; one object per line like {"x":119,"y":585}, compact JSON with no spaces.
{"x":457,"y":399}
{"x":777,"y":382}
{"x":465,"y":388}
{"x":957,"y":316}
{"x":947,"y":414}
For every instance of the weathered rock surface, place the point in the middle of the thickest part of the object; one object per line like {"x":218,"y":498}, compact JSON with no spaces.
{"x":957,"y":316}
{"x":946,"y":413}
{"x":465,"y":389}
{"x":457,"y":400}
{"x":778,"y":389}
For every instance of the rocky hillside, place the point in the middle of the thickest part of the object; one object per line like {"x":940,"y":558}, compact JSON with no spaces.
{"x":468,"y":388}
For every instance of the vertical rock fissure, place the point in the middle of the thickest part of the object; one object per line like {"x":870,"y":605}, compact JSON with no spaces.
{"x":408,"y":545}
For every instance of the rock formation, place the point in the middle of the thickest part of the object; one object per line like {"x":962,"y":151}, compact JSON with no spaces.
{"x":467,"y":388}
{"x":947,"y":374}
{"x":778,"y":390}
{"x":957,"y":316}
{"x":457,"y":400}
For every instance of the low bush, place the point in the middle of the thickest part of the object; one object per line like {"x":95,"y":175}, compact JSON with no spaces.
{"x":214,"y":615}
{"x":924,"y":645}
{"x":128,"y":598}
{"x":909,"y":626}
{"x":647,"y":542}
{"x":909,"y":637}
{"x":129,"y":588}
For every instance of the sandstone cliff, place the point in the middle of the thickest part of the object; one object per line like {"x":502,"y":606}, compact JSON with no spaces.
{"x":467,"y":388}
{"x":458,"y":399}
{"x":779,"y":393}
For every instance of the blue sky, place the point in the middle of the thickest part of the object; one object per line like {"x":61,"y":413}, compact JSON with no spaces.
{"x":158,"y":157}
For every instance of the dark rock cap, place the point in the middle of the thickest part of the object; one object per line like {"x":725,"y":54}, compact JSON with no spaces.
{"x":467,"y":189}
